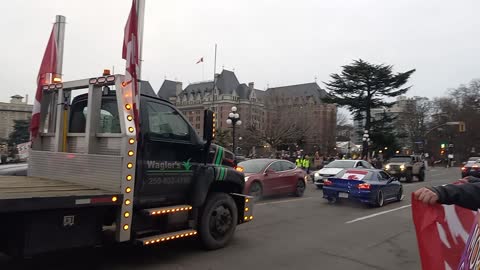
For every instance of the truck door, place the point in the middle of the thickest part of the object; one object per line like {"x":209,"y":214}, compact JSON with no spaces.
{"x":170,"y":151}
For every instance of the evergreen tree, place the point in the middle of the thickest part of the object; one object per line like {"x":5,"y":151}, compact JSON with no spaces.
{"x":21,"y":133}
{"x":362,"y":86}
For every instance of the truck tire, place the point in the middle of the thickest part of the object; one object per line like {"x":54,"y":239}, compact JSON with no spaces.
{"x":218,"y":220}
{"x":409,"y":176}
{"x":421,"y":175}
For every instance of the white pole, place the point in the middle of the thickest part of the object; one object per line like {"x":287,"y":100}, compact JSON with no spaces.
{"x":60,"y":22}
{"x":140,"y":17}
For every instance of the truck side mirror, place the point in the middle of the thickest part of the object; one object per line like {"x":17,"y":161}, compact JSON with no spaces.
{"x":208,"y":126}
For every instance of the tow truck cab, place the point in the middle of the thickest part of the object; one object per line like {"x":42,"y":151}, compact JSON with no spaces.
{"x":162,"y":183}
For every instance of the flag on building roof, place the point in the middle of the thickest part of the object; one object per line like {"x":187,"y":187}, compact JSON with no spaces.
{"x":200,"y":60}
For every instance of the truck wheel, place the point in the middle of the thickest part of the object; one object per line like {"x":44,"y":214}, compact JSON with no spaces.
{"x":421,"y":176}
{"x":300,"y":188}
{"x":218,"y":220}
{"x":409,"y":177}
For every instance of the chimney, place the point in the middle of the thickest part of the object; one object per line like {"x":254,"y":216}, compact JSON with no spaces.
{"x":26,"y":99}
{"x":250,"y":86}
{"x":17,"y":99}
{"x":178,"y":88}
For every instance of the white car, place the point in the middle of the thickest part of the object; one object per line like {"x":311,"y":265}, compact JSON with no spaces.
{"x":334,"y":167}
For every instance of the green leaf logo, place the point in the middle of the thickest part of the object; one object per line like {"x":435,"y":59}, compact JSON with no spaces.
{"x":187,"y":165}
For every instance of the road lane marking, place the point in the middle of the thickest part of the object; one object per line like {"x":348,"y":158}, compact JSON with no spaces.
{"x":285,"y":201}
{"x":377,"y":214}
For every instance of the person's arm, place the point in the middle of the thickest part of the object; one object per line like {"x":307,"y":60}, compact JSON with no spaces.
{"x":465,"y":195}
{"x":472,"y":179}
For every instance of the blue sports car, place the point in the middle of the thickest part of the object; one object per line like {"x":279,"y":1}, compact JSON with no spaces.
{"x":370,"y":186}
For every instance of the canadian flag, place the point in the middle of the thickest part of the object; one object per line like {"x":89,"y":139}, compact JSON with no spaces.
{"x":443,"y":232}
{"x":45,"y":74}
{"x":200,"y":60}
{"x":130,"y":54}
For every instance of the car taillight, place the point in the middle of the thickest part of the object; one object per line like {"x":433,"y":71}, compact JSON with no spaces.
{"x":474,"y":167}
{"x":239,"y":169}
{"x":463,"y":168}
{"x":364,"y":186}
{"x":327,"y":183}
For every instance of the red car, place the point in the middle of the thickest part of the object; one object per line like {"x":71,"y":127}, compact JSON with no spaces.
{"x":265,"y":177}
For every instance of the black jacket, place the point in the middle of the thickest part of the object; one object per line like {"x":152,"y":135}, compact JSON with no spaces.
{"x":465,"y":195}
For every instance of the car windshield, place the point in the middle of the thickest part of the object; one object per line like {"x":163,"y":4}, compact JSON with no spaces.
{"x":474,"y":159}
{"x":254,"y":165}
{"x":341,"y":164}
{"x":400,"y":159}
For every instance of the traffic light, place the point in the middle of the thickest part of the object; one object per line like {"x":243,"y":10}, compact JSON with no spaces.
{"x":442,"y":146}
{"x":461,"y":127}
{"x":442,"y":152}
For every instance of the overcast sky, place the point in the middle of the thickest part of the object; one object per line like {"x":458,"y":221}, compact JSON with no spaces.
{"x":266,"y":41}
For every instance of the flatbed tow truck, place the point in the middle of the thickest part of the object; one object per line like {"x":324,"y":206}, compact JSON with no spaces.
{"x":91,"y":175}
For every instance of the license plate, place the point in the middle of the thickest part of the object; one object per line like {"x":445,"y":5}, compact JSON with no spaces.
{"x":393,"y":172}
{"x":342,"y":195}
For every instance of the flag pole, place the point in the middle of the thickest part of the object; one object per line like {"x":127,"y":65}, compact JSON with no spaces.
{"x":60,"y":22}
{"x":214,"y":76}
{"x":140,"y":6}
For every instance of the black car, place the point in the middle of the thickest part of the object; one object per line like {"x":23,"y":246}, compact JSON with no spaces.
{"x":471,"y":167}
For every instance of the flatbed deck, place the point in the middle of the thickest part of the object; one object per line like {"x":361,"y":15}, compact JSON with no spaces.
{"x":24,"y":193}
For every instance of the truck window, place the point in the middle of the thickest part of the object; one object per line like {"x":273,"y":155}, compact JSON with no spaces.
{"x":166,"y":123}
{"x":108,"y":122}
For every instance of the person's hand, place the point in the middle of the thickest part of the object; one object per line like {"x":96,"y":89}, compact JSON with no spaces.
{"x":426,"y":196}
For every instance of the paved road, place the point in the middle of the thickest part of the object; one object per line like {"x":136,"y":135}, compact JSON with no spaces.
{"x":287,"y":233}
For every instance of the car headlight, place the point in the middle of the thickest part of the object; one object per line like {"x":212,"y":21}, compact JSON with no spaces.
{"x":387,"y":167}
{"x":316,"y":174}
{"x":402,"y":167}
{"x":246,"y":178}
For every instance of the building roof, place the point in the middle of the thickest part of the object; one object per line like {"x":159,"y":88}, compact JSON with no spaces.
{"x":16,"y":96}
{"x":226,"y":83}
{"x":260,"y":93}
{"x":168,"y":89}
{"x":298,"y":90}
{"x":201,"y":87}
{"x":146,"y":88}
{"x":243,"y":91}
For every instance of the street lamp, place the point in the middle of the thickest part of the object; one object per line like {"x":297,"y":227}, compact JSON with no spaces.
{"x":234,"y":120}
{"x":366,"y":140}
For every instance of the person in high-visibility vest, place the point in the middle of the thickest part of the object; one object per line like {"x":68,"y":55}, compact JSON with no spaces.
{"x":306,"y":163}
{"x":299,"y":162}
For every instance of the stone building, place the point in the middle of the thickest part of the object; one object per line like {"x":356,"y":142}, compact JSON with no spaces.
{"x":295,"y":104}
{"x":197,"y":97}
{"x":301,"y":104}
{"x":16,"y":109}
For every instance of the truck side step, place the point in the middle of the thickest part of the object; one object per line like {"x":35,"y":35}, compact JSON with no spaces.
{"x":166,"y":210}
{"x":155,"y":239}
